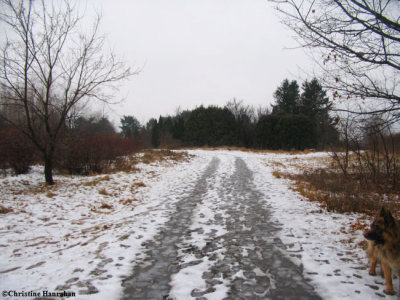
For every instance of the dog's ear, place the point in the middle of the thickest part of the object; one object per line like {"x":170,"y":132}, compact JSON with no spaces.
{"x":387,"y":216}
{"x":383,"y":212}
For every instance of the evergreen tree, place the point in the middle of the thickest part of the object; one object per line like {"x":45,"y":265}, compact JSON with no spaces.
{"x":155,"y":134}
{"x":178,"y":127}
{"x":150,"y":124}
{"x":316,"y":105}
{"x":130,"y":126}
{"x":287,"y":97}
{"x":212,"y":126}
{"x":313,"y":102}
{"x":296,"y":132}
{"x":266,"y":134}
{"x":93,"y":126}
{"x":285,"y":131}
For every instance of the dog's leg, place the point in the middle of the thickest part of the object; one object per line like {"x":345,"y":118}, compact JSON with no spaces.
{"x":372,"y":269}
{"x":388,"y":278}
{"x":398,"y":278}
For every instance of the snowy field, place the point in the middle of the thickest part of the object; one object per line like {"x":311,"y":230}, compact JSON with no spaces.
{"x":84,"y":235}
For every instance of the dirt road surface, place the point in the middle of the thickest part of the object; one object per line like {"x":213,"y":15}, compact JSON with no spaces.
{"x":219,"y":243}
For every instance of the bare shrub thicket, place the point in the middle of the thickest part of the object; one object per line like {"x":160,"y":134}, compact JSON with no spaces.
{"x":85,"y":155}
{"x":370,"y":154}
{"x":339,"y":193}
{"x":364,"y":173}
{"x":16,"y":151}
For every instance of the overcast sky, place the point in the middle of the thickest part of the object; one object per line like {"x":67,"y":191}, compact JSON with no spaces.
{"x":198,"y":52}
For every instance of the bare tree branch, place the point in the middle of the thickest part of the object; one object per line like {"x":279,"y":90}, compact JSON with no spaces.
{"x":359,"y":44}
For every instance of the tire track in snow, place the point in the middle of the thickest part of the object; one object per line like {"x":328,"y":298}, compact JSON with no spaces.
{"x":258,"y":269}
{"x":150,"y":278}
{"x":247,"y":258}
{"x":220,"y":243}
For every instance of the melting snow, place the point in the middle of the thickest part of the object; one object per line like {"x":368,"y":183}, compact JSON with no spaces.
{"x":85,"y":234}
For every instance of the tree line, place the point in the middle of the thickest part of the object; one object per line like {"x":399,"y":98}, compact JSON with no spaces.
{"x":87,"y":144}
{"x":299,"y":119}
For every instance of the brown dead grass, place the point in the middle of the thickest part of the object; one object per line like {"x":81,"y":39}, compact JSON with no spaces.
{"x":252,"y":150}
{"x":151,"y":156}
{"x":95,"y":181}
{"x":320,"y":179}
{"x":277,"y":174}
{"x":5,"y":210}
{"x":127,"y":201}
{"x":129,"y":163}
{"x":105,"y":206}
{"x":340,"y":193}
{"x":50,"y":194}
{"x":277,"y":164}
{"x":125,"y":164}
{"x":104,"y":192}
{"x":139,"y":184}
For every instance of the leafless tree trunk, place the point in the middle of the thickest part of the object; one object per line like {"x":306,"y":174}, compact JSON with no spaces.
{"x":48,"y":66}
{"x":342,"y":158}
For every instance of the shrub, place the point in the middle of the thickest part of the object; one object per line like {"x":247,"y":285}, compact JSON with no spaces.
{"x":212,"y":126}
{"x":93,"y":154}
{"x":16,"y":151}
{"x":285,"y":131}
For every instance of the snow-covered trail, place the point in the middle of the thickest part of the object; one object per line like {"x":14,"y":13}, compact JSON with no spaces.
{"x":219,"y":243}
{"x":219,"y":226}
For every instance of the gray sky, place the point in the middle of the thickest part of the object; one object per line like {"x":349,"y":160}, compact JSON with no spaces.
{"x":195,"y":52}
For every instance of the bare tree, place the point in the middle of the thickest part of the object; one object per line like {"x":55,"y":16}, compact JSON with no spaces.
{"x":359,"y":42}
{"x":245,"y":120}
{"x":349,"y":134}
{"x":49,"y":64}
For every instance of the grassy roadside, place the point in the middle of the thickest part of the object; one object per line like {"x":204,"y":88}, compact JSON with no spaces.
{"x":319,"y":179}
{"x":243,"y":149}
{"x":130,"y":163}
{"x":340,"y":193}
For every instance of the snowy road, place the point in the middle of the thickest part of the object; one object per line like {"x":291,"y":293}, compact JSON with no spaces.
{"x":219,"y":242}
{"x":220,"y":226}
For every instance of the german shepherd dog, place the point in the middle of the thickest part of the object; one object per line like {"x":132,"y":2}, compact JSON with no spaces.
{"x":384,"y":246}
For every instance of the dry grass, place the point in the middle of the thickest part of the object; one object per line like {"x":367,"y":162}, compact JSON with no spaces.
{"x":125,"y":164}
{"x":5,"y":210}
{"x":139,"y":184}
{"x":95,"y":181}
{"x":103,"y":192}
{"x":252,"y":150}
{"x":278,"y":164}
{"x":277,"y":174}
{"x":151,"y":156}
{"x":127,"y":201}
{"x":106,"y":206}
{"x":320,"y":179}
{"x":50,"y":194}
{"x":129,"y":163}
{"x":340,"y":193}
